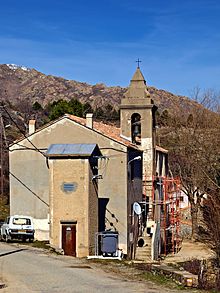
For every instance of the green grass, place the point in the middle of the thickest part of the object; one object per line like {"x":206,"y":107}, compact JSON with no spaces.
{"x":161,"y":280}
{"x":40,"y":244}
{"x":131,"y":271}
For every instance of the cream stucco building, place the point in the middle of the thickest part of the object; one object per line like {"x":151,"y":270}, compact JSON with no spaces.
{"x":128,"y":161}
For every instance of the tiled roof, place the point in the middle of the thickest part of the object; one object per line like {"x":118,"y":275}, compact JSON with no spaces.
{"x":108,"y":130}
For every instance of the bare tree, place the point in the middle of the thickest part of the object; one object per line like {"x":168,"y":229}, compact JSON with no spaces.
{"x":193,"y":144}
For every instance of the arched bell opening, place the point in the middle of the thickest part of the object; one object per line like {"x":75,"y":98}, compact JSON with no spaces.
{"x":136,"y":128}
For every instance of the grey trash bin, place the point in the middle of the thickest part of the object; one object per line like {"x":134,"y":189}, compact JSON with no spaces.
{"x":109,"y":243}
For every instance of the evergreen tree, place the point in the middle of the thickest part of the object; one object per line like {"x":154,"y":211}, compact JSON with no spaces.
{"x":37,"y":106}
{"x":59,"y":108}
{"x":76,"y":107}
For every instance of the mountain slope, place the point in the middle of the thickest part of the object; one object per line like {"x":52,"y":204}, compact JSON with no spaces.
{"x":23,"y":84}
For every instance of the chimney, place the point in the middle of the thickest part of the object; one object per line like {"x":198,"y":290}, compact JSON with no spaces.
{"x":31,"y":128}
{"x":89,"y":120}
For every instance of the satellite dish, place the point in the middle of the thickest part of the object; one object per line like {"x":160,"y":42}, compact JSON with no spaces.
{"x":137,"y":208}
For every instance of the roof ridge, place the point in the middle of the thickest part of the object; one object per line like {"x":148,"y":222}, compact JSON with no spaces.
{"x":107,"y":130}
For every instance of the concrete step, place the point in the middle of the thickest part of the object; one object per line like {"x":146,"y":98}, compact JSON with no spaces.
{"x":146,"y":238}
{"x":144,"y":247}
{"x":143,"y":259}
{"x":141,"y":256}
{"x":144,"y":252}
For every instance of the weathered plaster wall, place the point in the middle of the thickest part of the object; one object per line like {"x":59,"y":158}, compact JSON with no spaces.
{"x":31,"y":168}
{"x":144,"y":108}
{"x":73,"y":206}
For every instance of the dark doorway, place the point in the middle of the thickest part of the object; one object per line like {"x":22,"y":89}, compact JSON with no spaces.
{"x":69,"y":239}
{"x":102,"y":202}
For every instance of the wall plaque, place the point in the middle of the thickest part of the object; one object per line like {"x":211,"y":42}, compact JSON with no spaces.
{"x":69,"y":187}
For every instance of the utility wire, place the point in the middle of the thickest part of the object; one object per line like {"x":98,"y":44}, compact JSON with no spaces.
{"x":35,"y":148}
{"x":9,"y":141}
{"x":19,"y":180}
{"x":21,"y":131}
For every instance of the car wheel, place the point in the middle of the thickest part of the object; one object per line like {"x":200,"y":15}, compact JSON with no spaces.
{"x":31,"y":240}
{"x":7,"y":238}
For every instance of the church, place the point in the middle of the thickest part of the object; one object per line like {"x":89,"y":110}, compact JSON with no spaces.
{"x":77,"y":177}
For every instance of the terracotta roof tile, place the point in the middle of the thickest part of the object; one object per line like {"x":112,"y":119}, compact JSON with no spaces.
{"x":108,"y":130}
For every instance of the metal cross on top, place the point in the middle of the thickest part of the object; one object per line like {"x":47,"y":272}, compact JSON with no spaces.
{"x":138,"y":62}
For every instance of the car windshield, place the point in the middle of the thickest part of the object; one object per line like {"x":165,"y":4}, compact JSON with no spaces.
{"x":21,"y":221}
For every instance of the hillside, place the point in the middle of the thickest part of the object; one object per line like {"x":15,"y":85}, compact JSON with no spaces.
{"x":22,"y":84}
{"x":21,"y":87}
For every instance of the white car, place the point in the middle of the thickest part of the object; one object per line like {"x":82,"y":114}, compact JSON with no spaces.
{"x":17,"y":227}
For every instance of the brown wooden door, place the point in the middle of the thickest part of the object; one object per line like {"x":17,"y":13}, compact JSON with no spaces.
{"x":69,"y":239}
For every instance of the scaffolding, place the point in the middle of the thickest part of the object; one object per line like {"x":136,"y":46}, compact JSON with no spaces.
{"x":166,"y":212}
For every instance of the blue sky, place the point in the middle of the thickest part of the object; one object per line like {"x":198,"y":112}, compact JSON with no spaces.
{"x":99,"y":41}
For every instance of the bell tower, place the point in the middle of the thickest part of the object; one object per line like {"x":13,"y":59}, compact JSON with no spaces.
{"x":137,"y":121}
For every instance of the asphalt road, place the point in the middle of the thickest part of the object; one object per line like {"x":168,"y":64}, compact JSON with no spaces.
{"x":25,"y":269}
